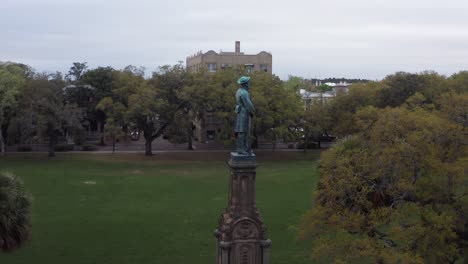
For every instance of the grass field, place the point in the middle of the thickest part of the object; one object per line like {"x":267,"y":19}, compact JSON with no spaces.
{"x":128,"y":208}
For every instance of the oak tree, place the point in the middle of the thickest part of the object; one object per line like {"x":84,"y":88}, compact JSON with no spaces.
{"x":393,"y":193}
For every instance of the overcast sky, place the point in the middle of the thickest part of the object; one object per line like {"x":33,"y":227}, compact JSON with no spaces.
{"x":314,"y":38}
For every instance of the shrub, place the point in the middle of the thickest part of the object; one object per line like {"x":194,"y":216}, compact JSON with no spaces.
{"x":64,"y":147}
{"x":15,"y":203}
{"x":24,"y":148}
{"x":89,"y":147}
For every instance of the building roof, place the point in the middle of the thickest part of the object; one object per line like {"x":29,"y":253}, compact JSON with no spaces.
{"x":72,"y":86}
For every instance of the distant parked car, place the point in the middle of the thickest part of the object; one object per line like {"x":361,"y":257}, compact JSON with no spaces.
{"x":135,"y":135}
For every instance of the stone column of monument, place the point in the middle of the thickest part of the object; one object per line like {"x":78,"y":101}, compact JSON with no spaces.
{"x":241,"y":234}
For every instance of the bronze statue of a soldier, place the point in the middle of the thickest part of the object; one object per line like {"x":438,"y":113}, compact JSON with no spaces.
{"x":245,"y":111}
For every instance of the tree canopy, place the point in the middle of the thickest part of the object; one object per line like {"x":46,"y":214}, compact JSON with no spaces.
{"x":394,"y":189}
{"x":12,"y":80}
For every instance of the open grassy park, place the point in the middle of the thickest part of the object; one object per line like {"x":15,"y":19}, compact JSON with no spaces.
{"x":128,"y":208}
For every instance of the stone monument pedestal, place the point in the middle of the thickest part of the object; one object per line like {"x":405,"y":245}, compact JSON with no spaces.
{"x":241,"y":234}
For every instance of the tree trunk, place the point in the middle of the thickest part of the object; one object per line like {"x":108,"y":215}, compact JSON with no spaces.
{"x":189,"y":137}
{"x":318,"y":144}
{"x":465,"y":253}
{"x":113,"y":143}
{"x":2,"y":142}
{"x":202,"y":134}
{"x":255,"y":137}
{"x":190,"y":144}
{"x":51,"y":146}
{"x":101,"y":133}
{"x":148,"y":151}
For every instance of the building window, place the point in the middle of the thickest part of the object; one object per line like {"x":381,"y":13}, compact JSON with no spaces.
{"x":264,"y":67}
{"x":249,"y":68}
{"x":211,"y":67}
{"x":225,"y":66}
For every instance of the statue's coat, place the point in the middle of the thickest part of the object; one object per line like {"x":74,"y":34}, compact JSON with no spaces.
{"x":244,"y":109}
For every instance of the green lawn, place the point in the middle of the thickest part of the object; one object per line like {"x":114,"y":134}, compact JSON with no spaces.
{"x":128,"y":208}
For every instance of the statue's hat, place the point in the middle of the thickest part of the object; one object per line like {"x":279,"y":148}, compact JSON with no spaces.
{"x":243,"y":80}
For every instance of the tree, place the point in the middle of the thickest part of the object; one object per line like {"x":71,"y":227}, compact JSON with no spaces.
{"x":398,"y":87}
{"x":454,"y":106}
{"x":166,"y":85}
{"x":115,"y":121}
{"x":395,"y":194}
{"x":26,"y":71}
{"x":11,"y":81}
{"x":97,"y":84}
{"x":295,"y":83}
{"x":146,"y":114}
{"x":101,"y":79}
{"x":223,"y":86}
{"x":138,"y":71}
{"x":459,"y":82}
{"x":433,"y":84}
{"x":152,"y":106}
{"x":47,"y":114}
{"x":277,"y":110}
{"x":76,"y":72}
{"x":15,"y":207}
{"x":316,"y":122}
{"x":343,"y":107}
{"x":180,"y":129}
{"x":199,"y":99}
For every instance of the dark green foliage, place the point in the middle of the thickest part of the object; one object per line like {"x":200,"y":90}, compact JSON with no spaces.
{"x":342,"y":108}
{"x":459,"y":82}
{"x":77,"y":71}
{"x":398,"y":87}
{"x":101,"y":79}
{"x":15,"y":203}
{"x":277,"y":110}
{"x":43,"y":113}
{"x":393,"y":193}
{"x":296,"y":83}
{"x":12,"y":80}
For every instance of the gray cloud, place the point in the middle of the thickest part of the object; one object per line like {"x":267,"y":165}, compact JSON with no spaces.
{"x":362,"y":39}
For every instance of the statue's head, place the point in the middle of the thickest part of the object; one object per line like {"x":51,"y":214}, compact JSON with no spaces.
{"x":244,"y":81}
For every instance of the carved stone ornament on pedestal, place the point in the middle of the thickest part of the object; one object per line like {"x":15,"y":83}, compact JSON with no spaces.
{"x":241,"y":233}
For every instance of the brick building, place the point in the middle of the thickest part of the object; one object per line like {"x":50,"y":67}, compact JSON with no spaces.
{"x":213,"y":61}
